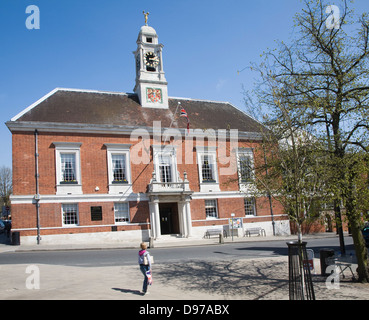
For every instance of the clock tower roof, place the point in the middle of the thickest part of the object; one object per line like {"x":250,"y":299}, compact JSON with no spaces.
{"x":148,"y":30}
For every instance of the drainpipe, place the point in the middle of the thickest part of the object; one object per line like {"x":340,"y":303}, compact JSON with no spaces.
{"x":269,"y":195}
{"x":37,"y":195}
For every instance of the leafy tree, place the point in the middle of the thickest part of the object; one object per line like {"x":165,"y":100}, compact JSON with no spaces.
{"x":322,"y":81}
{"x":292,"y":171}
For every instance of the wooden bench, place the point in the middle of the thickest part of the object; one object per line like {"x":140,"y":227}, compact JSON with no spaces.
{"x":259,"y":231}
{"x":213,"y":232}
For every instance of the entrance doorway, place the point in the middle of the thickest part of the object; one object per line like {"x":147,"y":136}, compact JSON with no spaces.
{"x":169,"y":221}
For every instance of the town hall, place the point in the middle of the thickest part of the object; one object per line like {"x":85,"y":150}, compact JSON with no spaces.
{"x":94,"y":166}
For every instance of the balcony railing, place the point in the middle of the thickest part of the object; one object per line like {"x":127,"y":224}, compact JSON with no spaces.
{"x":169,"y":187}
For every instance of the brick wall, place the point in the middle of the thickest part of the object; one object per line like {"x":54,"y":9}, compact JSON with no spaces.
{"x":25,"y":216}
{"x":23,"y":151}
{"x":94,"y":173}
{"x":94,"y":166}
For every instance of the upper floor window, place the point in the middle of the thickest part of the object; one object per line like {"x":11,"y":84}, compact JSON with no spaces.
{"x":119,"y":168}
{"x":68,"y":168}
{"x":165,"y":168}
{"x":165,"y":163}
{"x":207,"y":166}
{"x":245,"y":165}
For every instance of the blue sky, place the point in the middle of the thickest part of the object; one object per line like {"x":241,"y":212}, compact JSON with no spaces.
{"x":88,"y":44}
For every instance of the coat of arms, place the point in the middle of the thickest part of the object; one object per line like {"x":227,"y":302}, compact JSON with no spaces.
{"x":153,"y":95}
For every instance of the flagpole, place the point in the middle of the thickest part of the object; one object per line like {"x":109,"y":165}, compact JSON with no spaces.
{"x":172,"y":120}
{"x":174,"y":114}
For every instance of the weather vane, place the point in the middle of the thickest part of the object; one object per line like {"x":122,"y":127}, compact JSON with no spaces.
{"x":146,"y":16}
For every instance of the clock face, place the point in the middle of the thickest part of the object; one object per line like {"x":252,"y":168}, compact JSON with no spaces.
{"x":151,"y":59}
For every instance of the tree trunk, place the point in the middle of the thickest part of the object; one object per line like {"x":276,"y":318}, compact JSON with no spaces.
{"x":359,"y":242}
{"x":338,"y":220}
{"x":361,"y":252}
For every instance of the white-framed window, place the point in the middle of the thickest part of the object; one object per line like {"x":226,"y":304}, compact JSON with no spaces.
{"x":208,"y":171}
{"x":249,"y":207}
{"x":68,"y":168}
{"x":245,"y":166}
{"x":165,"y":168}
{"x":207,"y":168}
{"x":165,"y":163}
{"x":70,"y":214}
{"x":211,"y":209}
{"x":119,"y":167}
{"x":121,"y":212}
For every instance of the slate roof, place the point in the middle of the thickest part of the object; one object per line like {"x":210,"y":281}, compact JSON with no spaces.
{"x":117,"y":109}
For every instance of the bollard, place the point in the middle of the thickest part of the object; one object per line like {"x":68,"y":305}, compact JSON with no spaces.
{"x":151,"y":242}
{"x":221,"y":239}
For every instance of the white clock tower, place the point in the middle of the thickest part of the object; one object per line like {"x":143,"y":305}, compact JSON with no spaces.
{"x":151,"y":85}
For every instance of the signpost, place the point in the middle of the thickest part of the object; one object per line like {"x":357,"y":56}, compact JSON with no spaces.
{"x":232,"y":223}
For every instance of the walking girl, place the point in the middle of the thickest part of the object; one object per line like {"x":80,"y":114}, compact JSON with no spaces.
{"x":144,"y":260}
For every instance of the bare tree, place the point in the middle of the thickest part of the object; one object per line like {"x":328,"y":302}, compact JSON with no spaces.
{"x":6,"y":186}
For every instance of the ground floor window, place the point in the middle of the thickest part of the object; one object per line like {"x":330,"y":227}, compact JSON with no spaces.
{"x":250,"y":207}
{"x":121,"y":212}
{"x":211,"y":208}
{"x":70,"y":214}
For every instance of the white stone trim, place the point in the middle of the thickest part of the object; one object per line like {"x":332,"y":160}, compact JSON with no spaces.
{"x":29,"y":199}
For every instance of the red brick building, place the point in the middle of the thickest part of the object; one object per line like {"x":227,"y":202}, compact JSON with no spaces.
{"x":92,"y":166}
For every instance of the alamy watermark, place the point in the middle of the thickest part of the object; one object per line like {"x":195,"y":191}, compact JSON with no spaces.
{"x":332,"y":22}
{"x":222,"y":140}
{"x":334,"y":19}
{"x":33,"y":20}
{"x":333,"y":280}
{"x":33,"y":280}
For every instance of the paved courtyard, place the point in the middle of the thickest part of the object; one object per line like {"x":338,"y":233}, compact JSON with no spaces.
{"x":256,"y":279}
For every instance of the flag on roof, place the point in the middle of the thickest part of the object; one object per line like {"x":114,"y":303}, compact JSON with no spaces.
{"x":184,"y":114}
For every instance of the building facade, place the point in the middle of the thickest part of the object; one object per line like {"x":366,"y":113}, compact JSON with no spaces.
{"x":92,"y":166}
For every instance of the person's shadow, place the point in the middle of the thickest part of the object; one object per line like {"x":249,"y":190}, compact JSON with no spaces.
{"x":137,"y":292}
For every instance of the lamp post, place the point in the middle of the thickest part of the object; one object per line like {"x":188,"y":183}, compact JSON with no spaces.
{"x":232,"y":215}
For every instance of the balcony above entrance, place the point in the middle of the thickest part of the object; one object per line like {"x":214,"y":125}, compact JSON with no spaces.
{"x":168,"y":187}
